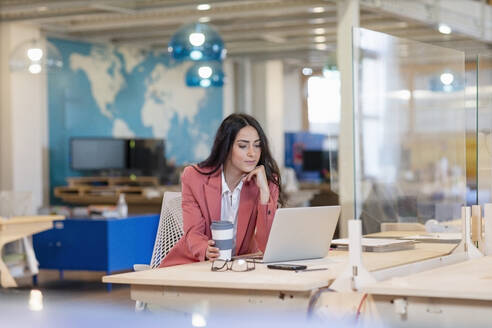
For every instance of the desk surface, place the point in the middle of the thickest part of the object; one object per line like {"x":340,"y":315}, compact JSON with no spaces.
{"x":471,"y":279}
{"x":30,"y":219}
{"x":423,"y":251}
{"x":199,"y":274}
{"x":15,"y":228}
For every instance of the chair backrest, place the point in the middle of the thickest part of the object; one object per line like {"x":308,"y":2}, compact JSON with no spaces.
{"x":170,"y":227}
{"x":15,"y":203}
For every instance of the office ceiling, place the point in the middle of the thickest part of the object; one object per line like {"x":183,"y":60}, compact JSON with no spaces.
{"x":296,"y":30}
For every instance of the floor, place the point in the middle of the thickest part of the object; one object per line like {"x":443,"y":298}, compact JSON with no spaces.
{"x":76,"y":286}
{"x":81,"y":300}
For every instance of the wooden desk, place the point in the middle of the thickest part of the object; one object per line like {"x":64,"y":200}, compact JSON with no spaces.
{"x":17,"y":228}
{"x":183,"y":288}
{"x":471,"y":279}
{"x":457,"y":295}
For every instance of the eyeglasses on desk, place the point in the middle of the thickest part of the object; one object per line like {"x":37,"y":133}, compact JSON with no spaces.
{"x":238,"y":265}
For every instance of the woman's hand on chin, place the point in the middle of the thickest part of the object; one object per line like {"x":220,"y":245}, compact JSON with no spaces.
{"x":259,"y":176}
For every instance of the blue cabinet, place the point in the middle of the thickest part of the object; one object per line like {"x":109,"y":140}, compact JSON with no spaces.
{"x":97,"y":244}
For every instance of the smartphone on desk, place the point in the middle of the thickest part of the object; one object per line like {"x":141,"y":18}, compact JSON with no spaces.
{"x":282,"y":266}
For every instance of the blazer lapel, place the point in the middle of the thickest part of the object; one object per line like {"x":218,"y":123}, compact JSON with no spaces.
{"x":249,"y":195}
{"x":213,"y":191}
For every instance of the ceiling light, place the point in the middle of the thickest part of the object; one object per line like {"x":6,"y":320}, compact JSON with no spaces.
{"x":445,"y":29}
{"x":35,"y":54}
{"x":320,"y":38}
{"x":197,"y":39}
{"x":319,"y":30}
{"x":205,"y":72}
{"x":317,"y":10}
{"x":204,"y":19}
{"x":307,"y":71}
{"x":42,"y":8}
{"x":321,"y":46}
{"x":203,"y":6}
{"x":447,"y":78}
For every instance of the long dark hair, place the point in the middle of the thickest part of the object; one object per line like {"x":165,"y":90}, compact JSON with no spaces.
{"x":224,"y":139}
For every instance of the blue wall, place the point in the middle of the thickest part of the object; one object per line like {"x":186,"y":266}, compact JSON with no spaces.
{"x":106,"y":91}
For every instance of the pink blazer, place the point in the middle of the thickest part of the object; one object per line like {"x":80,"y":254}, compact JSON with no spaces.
{"x":201,"y":202}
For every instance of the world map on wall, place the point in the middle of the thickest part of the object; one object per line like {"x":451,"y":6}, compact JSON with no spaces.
{"x":109,"y":91}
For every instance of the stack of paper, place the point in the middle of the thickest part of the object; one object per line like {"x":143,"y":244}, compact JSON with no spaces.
{"x":378,"y":244}
{"x":436,"y":237}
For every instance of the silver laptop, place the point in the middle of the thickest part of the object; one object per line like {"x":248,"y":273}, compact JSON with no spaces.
{"x":301,"y":233}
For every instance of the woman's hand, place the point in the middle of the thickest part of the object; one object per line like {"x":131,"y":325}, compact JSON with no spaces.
{"x":212,"y":252}
{"x":259,"y":175}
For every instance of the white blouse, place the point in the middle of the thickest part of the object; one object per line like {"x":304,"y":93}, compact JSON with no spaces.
{"x":230,"y":206}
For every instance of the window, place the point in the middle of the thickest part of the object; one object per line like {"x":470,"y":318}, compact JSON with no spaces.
{"x":323,"y":100}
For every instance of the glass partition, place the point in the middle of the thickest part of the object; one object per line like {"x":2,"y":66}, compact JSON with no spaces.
{"x":409,"y":134}
{"x":484,"y":128}
{"x":312,"y":134}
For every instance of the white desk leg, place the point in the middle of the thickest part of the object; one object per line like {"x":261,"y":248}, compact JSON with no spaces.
{"x":6,"y":279}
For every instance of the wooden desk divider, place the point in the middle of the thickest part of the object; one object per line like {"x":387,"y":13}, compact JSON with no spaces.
{"x":488,"y":229}
{"x":477,"y":237}
{"x":466,"y":243}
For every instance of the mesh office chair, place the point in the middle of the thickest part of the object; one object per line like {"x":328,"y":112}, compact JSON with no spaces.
{"x":170,"y":227}
{"x":170,"y":230}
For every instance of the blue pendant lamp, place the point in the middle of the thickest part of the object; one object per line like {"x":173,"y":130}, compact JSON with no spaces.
{"x":197,"y":42}
{"x":205,"y":74}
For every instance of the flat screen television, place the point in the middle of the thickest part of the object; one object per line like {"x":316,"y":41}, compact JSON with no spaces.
{"x":147,"y":155}
{"x":96,"y":154}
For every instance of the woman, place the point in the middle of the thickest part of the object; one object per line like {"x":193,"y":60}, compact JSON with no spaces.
{"x":239,"y":182}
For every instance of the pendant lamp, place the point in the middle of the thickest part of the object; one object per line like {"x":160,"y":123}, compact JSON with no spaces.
{"x":197,"y":42}
{"x":35,"y":56}
{"x":205,"y":74}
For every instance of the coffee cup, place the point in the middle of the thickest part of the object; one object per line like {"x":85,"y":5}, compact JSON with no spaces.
{"x":223,"y":235}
